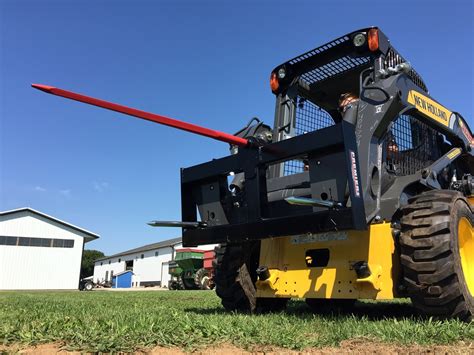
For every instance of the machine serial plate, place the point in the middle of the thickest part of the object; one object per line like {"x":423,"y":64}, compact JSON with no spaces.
{"x":322,"y":237}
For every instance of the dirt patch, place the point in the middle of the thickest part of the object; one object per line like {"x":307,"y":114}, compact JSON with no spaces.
{"x":42,"y":349}
{"x":361,"y":346}
{"x":354,"y":346}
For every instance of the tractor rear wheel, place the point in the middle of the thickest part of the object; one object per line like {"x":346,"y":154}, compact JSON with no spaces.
{"x":188,"y":283}
{"x":201,"y":279}
{"x":180,"y":283}
{"x":437,"y":254}
{"x":235,"y":276}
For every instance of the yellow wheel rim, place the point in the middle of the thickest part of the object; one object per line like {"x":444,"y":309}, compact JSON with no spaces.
{"x":466,"y":251}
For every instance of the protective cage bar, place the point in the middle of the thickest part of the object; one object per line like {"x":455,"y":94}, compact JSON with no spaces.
{"x":337,"y":67}
{"x":410,"y":145}
{"x":309,"y":117}
{"x":334,"y":58}
{"x":255,"y":223}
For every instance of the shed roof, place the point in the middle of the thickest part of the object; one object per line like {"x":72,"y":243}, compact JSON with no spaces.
{"x":123,"y":272}
{"x":162,"y":244}
{"x":91,"y":236}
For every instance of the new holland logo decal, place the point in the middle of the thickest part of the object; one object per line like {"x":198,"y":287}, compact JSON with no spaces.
{"x":431,"y":108}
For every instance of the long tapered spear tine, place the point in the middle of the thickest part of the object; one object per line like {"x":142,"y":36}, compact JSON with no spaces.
{"x":185,"y":126}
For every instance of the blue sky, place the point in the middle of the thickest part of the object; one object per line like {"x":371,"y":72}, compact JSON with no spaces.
{"x":207,"y":62}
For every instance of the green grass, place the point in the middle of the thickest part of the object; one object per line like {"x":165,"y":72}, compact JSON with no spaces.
{"x":125,"y":321}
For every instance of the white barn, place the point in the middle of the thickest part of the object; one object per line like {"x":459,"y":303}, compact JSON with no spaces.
{"x":149,"y":263}
{"x":38,"y":251}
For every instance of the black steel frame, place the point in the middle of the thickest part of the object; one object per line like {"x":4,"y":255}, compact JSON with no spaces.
{"x":253,"y":162}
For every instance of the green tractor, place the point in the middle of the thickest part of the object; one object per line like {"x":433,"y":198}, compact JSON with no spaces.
{"x":191,"y":270}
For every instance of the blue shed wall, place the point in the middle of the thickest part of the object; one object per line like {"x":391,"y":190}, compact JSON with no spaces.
{"x":123,"y":281}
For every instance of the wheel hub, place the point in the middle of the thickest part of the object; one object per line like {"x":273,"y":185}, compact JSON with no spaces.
{"x":466,"y":251}
{"x":205,"y":283}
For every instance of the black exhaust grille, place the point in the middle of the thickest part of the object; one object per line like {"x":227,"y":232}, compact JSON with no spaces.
{"x":309,"y":118}
{"x":410,"y":146}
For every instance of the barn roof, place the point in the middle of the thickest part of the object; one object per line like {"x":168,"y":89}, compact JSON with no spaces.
{"x":158,"y":245}
{"x":90,"y":235}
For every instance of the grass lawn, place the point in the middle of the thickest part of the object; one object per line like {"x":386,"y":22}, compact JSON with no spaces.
{"x":125,"y":321}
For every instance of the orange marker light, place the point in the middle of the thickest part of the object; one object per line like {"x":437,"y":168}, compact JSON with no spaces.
{"x":274,"y":84}
{"x":373,"y":39}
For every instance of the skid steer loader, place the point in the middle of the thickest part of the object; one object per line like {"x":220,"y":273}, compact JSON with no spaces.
{"x":336,"y":202}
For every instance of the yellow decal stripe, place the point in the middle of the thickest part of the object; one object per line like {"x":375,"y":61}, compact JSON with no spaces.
{"x":429,"y":107}
{"x":454,"y":153}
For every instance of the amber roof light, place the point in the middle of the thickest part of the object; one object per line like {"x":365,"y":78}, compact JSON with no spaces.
{"x":373,"y":39}
{"x":274,"y":84}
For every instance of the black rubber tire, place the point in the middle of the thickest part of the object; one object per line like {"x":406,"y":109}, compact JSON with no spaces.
{"x":326,"y":306}
{"x":180,"y":283}
{"x":88,"y":286}
{"x":235,"y":275}
{"x":430,"y":259}
{"x":188,"y":284}
{"x":198,"y":279}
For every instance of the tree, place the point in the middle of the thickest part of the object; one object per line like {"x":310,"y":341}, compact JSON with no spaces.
{"x":88,"y":258}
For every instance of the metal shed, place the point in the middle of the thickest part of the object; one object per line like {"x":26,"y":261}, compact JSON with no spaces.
{"x":122,"y":279}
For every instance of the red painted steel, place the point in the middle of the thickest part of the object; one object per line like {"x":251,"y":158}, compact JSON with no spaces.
{"x":185,"y":126}
{"x":190,"y":250}
{"x":209,"y":256}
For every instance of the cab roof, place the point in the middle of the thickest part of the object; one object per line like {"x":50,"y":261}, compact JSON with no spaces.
{"x":341,"y":63}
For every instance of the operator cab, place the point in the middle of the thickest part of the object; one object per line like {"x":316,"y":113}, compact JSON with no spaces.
{"x":309,"y":89}
{"x":325,"y":73}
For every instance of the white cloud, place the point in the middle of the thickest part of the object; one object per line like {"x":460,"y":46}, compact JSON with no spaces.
{"x":100,"y":186}
{"x":39,"y":189}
